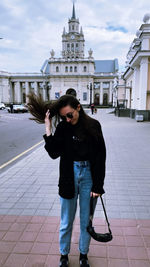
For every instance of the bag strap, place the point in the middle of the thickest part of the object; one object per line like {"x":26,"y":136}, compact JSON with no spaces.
{"x":92,"y":212}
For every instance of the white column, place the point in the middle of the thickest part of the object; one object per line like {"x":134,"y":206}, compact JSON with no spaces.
{"x":110,"y":93}
{"x":44,"y":94}
{"x":101,"y":93}
{"x":128,"y":97}
{"x":92,"y":91}
{"x":11,"y":99}
{"x":18,"y":92}
{"x":143,"y":84}
{"x":135,"y":88}
{"x":36,"y":88}
{"x":27,"y":90}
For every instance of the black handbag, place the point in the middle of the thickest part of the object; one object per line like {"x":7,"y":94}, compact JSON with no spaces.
{"x":98,"y":236}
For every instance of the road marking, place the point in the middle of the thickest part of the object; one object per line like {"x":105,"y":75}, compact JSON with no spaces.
{"x":20,"y":155}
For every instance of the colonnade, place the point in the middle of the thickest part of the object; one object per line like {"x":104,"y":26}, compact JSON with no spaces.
{"x":20,"y":89}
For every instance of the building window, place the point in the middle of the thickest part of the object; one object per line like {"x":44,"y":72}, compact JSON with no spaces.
{"x":72,"y":47}
{"x":84,"y":69}
{"x":66,"y":69}
{"x":57,"y":69}
{"x":71,"y":69}
{"x":106,"y":85}
{"x":68,"y":47}
{"x":77,"y":47}
{"x":73,"y":27}
{"x":75,"y":69}
{"x":57,"y":95}
{"x":84,"y":96}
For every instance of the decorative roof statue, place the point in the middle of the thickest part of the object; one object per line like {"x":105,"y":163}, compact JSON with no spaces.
{"x":146,"y":18}
{"x":90,"y":53}
{"x":52,"y":53}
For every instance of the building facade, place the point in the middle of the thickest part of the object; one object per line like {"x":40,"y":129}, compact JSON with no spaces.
{"x":136,"y":79}
{"x":88,"y":79}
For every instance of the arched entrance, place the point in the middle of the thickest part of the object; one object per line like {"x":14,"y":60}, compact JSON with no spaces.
{"x":96,"y":99}
{"x":105,"y":99}
{"x":71,"y":91}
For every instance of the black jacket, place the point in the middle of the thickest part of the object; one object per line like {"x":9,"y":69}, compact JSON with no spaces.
{"x":60,"y":145}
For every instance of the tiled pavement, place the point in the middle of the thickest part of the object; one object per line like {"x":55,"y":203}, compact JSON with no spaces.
{"x":29,"y":204}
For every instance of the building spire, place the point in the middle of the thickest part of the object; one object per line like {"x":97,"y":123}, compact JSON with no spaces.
{"x":73,"y":12}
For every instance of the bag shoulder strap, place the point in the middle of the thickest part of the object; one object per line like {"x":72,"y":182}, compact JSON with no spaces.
{"x":92,"y":212}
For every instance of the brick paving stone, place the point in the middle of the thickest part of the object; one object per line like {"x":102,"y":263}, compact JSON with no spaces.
{"x":18,"y":227}
{"x":23,"y":247}
{"x":11,"y":236}
{"x":15,"y":260}
{"x":131,"y":231}
{"x":139,"y":263}
{"x":98,"y":251}
{"x":41,"y":248}
{"x":134,"y":241}
{"x":139,"y":253}
{"x":48,"y":227}
{"x":53,"y":260}
{"x":3,"y":258}
{"x":35,"y":261}
{"x":45,"y":237}
{"x":118,"y":263}
{"x":28,"y":236}
{"x":96,"y":262}
{"x":117,"y":252}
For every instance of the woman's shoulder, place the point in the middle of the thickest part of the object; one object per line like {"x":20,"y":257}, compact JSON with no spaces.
{"x":93,"y":122}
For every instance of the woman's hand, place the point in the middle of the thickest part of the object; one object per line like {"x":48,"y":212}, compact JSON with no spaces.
{"x":48,"y":123}
{"x":95,"y":194}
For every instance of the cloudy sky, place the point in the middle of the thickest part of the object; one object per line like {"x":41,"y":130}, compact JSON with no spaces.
{"x":31,"y":28}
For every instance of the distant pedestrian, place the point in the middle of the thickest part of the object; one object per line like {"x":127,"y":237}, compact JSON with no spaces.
{"x":92,"y":108}
{"x":79,"y":142}
{"x":11,"y":108}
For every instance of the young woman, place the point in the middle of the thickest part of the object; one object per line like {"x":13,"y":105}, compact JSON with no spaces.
{"x":79,"y":142}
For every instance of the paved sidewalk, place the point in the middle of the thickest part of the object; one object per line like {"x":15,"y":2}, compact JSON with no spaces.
{"x":29,"y":204}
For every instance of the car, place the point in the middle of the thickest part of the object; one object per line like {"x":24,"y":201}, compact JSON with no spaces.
{"x":18,"y":108}
{"x":2,"y":106}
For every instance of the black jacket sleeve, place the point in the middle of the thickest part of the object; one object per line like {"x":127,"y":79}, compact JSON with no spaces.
{"x":54,"y":143}
{"x":99,"y":159}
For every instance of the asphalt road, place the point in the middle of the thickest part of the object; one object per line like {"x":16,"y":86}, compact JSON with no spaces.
{"x":17,"y":134}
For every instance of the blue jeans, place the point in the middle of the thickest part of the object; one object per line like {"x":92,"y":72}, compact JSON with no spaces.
{"x":83,"y":185}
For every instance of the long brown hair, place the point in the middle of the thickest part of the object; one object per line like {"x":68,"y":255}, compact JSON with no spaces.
{"x":38,"y":108}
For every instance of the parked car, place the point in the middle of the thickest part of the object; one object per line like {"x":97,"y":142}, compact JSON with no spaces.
{"x":18,"y":108}
{"x":2,"y":106}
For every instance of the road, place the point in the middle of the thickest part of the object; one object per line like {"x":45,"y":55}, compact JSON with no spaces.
{"x":17,"y":134}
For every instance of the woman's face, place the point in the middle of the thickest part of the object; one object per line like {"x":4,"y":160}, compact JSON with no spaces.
{"x":70,"y":114}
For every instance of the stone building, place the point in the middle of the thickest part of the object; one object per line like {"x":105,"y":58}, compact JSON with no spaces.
{"x":88,"y":79}
{"x":136,"y":78}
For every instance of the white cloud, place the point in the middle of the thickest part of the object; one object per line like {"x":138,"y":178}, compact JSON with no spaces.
{"x":32,"y":28}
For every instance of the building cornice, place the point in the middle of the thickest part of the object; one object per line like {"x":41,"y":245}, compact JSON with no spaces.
{"x":136,"y":59}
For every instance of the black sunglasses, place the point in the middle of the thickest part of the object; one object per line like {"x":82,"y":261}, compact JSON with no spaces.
{"x":69,"y":115}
